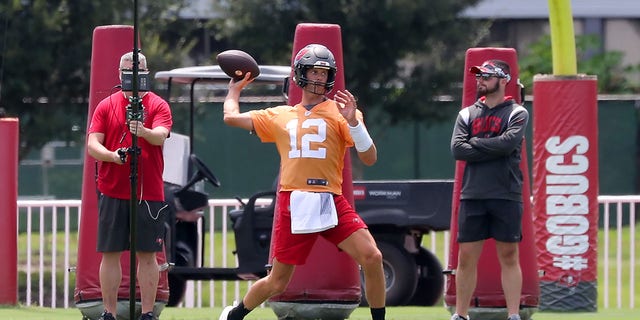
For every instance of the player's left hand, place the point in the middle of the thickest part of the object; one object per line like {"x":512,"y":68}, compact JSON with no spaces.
{"x":347,"y":106}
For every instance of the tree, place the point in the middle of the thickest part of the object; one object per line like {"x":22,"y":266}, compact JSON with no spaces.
{"x":612,"y":75}
{"x":46,"y":55}
{"x":398,"y":55}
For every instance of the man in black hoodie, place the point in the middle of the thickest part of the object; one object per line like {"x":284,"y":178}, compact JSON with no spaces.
{"x":488,"y":136}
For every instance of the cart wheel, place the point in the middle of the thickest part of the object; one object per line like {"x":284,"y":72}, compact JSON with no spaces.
{"x":177,"y":288}
{"x":431,"y":281}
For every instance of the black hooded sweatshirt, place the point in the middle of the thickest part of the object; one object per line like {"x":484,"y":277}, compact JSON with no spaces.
{"x":490,"y":141}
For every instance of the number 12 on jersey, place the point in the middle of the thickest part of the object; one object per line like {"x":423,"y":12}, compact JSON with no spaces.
{"x":303,"y":150}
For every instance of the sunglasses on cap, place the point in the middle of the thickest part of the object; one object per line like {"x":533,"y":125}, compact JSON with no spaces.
{"x":486,"y":76}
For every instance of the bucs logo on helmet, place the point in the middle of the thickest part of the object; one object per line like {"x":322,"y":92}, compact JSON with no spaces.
{"x":301,"y":53}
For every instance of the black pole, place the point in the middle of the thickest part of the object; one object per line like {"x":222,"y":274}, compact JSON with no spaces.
{"x":134,"y":115}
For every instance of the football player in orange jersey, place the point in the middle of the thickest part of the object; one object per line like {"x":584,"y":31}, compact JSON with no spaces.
{"x":312,"y":138}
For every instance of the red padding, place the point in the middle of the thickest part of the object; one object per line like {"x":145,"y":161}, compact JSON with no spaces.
{"x":324,"y":259}
{"x":565,"y":149}
{"x":488,"y":291}
{"x":9,"y":133}
{"x":109,"y":44}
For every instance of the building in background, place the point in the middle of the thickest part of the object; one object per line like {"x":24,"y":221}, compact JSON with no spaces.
{"x":518,"y":23}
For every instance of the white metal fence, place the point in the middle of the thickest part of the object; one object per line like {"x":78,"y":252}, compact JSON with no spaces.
{"x":618,"y":204}
{"x":47,"y":256}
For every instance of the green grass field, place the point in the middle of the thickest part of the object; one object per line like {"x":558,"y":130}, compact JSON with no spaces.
{"x":625,"y":297}
{"x":393,"y":313}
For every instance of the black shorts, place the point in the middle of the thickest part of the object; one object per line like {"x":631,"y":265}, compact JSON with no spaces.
{"x":113,"y":225}
{"x":490,"y":218}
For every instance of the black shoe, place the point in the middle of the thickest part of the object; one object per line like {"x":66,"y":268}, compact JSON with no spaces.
{"x":106,"y":316}
{"x":147,"y":316}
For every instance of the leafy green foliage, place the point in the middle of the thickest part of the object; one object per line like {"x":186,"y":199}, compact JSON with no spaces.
{"x":397,"y":54}
{"x":613,"y":77}
{"x":46,"y":56}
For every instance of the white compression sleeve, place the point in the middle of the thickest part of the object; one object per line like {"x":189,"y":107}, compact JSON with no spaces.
{"x":361,"y":137}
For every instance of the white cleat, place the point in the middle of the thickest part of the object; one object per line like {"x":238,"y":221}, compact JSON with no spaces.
{"x":225,"y":313}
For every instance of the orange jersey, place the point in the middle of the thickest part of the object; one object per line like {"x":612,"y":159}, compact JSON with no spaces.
{"x":311,"y":144}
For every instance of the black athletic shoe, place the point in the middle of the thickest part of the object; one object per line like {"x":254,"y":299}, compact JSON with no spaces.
{"x":107,"y":316}
{"x":147,"y":316}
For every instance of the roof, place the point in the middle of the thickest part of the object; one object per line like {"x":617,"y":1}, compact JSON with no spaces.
{"x":213,"y":74}
{"x":488,"y":9}
{"x":539,"y":9}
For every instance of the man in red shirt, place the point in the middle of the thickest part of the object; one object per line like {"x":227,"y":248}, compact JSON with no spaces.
{"x":108,"y":141}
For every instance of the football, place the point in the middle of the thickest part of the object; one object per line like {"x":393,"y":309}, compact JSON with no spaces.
{"x":236,"y":63}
